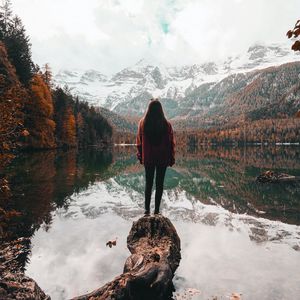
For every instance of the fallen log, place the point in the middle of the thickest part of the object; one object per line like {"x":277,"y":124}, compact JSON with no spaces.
{"x":149,"y":270}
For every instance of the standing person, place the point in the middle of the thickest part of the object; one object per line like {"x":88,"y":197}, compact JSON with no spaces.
{"x":156,"y":150}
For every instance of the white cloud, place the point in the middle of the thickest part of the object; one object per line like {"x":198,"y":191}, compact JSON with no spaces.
{"x":111,"y":34}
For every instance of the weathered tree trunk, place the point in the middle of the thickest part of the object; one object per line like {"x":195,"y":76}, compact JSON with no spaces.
{"x":149,"y":270}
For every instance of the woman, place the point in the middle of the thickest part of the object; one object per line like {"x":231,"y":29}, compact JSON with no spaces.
{"x":155,"y":144}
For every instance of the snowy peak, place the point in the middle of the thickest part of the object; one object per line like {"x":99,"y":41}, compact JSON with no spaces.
{"x":142,"y":76}
{"x":127,"y":91}
{"x":193,"y":71}
{"x":93,"y":76}
{"x":79,"y":76}
{"x":67,"y":76}
{"x":261,"y":52}
{"x":262,"y":56}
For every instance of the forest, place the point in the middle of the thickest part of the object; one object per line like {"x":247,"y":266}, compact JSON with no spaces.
{"x":260,"y":132}
{"x":35,"y":114}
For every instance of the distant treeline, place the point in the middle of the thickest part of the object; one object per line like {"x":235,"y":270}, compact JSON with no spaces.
{"x":271,"y":131}
{"x":33,"y":113}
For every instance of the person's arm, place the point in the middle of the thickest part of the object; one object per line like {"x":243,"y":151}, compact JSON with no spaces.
{"x":139,"y":142}
{"x":172,"y":144}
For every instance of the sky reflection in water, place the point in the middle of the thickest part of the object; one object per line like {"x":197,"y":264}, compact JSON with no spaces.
{"x":225,"y":248}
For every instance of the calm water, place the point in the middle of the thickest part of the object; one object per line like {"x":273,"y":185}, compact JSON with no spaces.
{"x":237,"y":235}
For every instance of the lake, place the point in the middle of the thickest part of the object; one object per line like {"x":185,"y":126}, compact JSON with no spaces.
{"x":237,"y":235}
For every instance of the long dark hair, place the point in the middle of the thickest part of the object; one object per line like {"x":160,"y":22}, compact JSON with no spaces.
{"x":155,"y":122}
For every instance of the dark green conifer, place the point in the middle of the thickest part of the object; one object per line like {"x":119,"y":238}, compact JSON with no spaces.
{"x":13,"y":34}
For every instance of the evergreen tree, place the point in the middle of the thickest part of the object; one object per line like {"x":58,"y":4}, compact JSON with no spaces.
{"x":19,"y":52}
{"x":64,"y":118}
{"x":5,"y":18}
{"x":13,"y":34}
{"x":28,"y":115}
{"x":76,"y":119}
{"x":47,"y":75}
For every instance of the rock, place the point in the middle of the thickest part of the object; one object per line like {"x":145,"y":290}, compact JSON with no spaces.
{"x":271,"y":176}
{"x":149,"y":270}
{"x":13,"y":282}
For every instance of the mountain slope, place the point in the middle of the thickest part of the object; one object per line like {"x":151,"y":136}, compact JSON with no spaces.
{"x":214,"y":90}
{"x":118,"y":122}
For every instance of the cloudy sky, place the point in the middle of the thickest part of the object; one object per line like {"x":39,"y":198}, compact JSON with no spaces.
{"x":109,"y":35}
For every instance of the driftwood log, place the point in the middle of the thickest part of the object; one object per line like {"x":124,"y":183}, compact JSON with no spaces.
{"x":149,"y":270}
{"x":271,"y":176}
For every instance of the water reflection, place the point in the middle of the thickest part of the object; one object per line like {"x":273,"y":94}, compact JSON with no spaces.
{"x":43,"y":181}
{"x":72,"y":203}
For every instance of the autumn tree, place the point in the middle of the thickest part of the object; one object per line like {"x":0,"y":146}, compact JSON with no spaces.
{"x":28,"y":116}
{"x":95,"y":128}
{"x":39,"y":115}
{"x":64,"y":118}
{"x":295,"y":33}
{"x":68,"y":130}
{"x":80,"y":129}
{"x":12,"y":96}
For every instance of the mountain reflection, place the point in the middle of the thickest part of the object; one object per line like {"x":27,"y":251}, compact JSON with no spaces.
{"x":226,"y":177}
{"x":44,"y":181}
{"x":67,"y":199}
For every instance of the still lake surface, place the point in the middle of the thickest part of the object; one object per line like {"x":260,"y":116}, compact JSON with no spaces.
{"x":237,"y":235}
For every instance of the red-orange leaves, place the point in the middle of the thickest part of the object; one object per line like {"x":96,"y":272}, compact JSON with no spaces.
{"x":295,"y":33}
{"x":296,"y":46}
{"x":289,"y":34}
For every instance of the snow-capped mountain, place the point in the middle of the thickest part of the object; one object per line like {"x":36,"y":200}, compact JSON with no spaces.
{"x":128,"y":91}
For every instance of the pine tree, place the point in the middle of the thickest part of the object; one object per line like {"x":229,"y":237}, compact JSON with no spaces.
{"x":5,"y":19}
{"x":13,"y":34}
{"x":19,"y":52}
{"x":47,"y":75}
{"x":64,"y":118}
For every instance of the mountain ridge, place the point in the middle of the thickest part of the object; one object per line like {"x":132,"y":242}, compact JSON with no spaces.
{"x":185,"y":90}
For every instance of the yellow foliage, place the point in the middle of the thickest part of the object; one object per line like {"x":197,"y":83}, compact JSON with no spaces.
{"x":42,"y":96}
{"x":39,"y":115}
{"x":70,"y":127}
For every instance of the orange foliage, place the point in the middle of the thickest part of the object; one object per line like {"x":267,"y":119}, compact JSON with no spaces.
{"x":39,"y":116}
{"x":269,"y":131}
{"x":69,"y":128}
{"x":295,"y":33}
{"x":12,"y":95}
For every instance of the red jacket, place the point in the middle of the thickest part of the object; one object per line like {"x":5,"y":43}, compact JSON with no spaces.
{"x":148,"y":154}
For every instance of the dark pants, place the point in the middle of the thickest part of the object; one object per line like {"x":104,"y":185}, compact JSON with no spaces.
{"x":159,"y":182}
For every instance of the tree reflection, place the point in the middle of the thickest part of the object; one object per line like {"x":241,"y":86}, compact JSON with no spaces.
{"x":44,"y":181}
{"x":226,"y":177}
